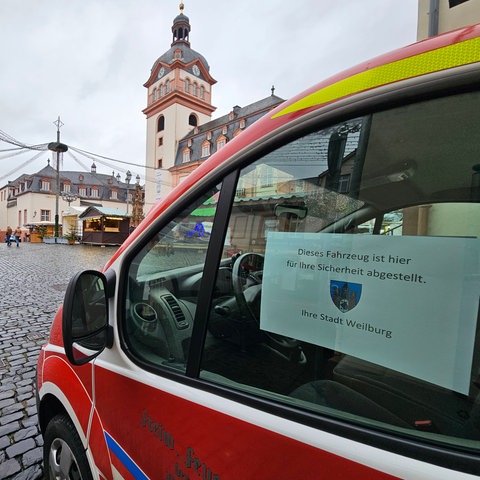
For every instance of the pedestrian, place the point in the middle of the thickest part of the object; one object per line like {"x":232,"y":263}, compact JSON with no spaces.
{"x":8,"y":236}
{"x":18,"y":234}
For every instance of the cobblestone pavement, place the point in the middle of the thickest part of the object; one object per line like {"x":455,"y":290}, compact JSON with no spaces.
{"x":34,"y":277}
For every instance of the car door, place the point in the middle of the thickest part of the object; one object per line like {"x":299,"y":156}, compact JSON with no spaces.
{"x":280,"y":320}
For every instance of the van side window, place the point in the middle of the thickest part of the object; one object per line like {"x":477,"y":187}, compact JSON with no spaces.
{"x":162,"y":288}
{"x":354,"y":278}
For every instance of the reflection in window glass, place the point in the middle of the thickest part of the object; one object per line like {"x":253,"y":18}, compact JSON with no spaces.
{"x":163,"y":284}
{"x":313,"y":315}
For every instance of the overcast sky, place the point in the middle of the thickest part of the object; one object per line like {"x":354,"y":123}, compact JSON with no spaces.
{"x":87,"y":60}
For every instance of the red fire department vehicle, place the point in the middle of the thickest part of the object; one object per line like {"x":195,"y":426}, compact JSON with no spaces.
{"x":304,"y":305}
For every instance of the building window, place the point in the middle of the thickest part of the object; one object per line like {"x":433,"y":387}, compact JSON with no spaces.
{"x":154,"y":94}
{"x":45,"y":215}
{"x":159,"y":163}
{"x":25,"y":216}
{"x":82,"y":191}
{"x":45,"y":185}
{"x":195,"y":89}
{"x":94,"y":193}
{"x":202,"y":92}
{"x":161,"y":90}
{"x":205,"y":149}
{"x":167,"y":87}
{"x":242,"y":123}
{"x":186,"y":155}
{"x":113,"y":195}
{"x":192,"y":120}
{"x":224,"y":130}
{"x":160,"y":141}
{"x":67,"y":187}
{"x":160,"y":123}
{"x":267,"y":176}
{"x":221,"y":142}
{"x":187,"y":85}
{"x":344,"y":183}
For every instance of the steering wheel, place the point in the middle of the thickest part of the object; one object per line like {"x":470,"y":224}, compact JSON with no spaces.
{"x":247,"y":275}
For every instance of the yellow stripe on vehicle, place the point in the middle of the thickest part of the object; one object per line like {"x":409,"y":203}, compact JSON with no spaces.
{"x":442,"y":58}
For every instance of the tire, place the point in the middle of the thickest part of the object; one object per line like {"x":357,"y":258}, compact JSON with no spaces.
{"x":63,"y":453}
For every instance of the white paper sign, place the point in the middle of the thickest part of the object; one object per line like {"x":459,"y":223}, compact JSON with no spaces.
{"x":406,"y":303}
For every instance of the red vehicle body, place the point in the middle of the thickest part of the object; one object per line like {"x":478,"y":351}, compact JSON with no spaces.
{"x":341,"y":342}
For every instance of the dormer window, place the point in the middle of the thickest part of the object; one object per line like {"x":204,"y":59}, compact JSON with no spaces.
{"x":221,"y":141}
{"x":45,"y":185}
{"x":186,"y":155}
{"x":205,"y":149}
{"x":242,"y":123}
{"x":224,"y":130}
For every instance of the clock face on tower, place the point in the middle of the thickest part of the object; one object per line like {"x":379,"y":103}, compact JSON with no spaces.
{"x":196,"y":70}
{"x":161,"y":73}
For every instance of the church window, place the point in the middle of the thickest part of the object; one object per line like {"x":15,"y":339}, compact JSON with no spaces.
{"x":161,"y":90}
{"x":159,"y":163}
{"x":154,"y":94}
{"x":167,"y":86}
{"x":202,"y":92}
{"x":160,"y":141}
{"x":160,"y":123}
{"x":187,"y":85}
{"x":192,"y":120}
{"x":195,"y":89}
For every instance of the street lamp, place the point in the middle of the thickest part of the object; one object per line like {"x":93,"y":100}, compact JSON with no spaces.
{"x":58,"y":148}
{"x":128,"y":177}
{"x":69,"y":197}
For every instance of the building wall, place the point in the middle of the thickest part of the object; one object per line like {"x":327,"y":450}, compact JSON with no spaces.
{"x":159,"y":181}
{"x":450,"y":15}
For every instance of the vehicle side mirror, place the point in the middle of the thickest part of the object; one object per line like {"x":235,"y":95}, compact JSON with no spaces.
{"x":85,"y":328}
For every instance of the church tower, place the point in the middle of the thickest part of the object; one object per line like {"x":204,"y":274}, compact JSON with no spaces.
{"x":179,"y":99}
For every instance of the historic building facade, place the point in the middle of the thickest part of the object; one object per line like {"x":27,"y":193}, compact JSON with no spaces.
{"x":30,"y":201}
{"x":180,"y":132}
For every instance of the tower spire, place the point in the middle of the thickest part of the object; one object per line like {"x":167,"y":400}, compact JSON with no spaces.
{"x":181,"y":28}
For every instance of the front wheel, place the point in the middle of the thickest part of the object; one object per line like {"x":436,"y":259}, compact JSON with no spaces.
{"x":63,"y":454}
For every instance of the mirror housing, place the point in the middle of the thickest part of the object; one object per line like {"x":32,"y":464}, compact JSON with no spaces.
{"x":85,"y":329}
